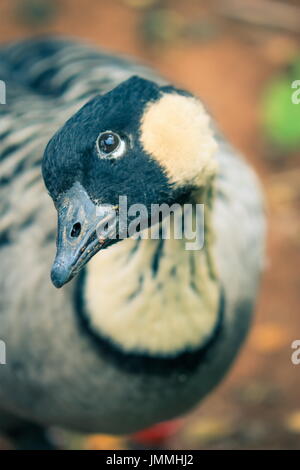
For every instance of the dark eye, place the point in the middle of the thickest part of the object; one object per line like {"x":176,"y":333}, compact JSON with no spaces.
{"x":110,"y":144}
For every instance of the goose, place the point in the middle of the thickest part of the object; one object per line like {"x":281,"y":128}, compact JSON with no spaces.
{"x":114,"y":334}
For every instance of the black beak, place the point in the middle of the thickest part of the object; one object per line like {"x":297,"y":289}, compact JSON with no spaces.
{"x":83,"y":229}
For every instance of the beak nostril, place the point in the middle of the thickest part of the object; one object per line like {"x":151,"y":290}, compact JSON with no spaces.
{"x":75,"y":232}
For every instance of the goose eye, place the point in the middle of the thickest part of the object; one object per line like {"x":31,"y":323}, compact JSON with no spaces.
{"x":110,"y":144}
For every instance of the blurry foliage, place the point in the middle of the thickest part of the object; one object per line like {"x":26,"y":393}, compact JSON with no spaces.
{"x":36,"y":12}
{"x":161,"y":25}
{"x":164,"y":26}
{"x":257,"y":393}
{"x":281,"y":117}
{"x":142,"y":3}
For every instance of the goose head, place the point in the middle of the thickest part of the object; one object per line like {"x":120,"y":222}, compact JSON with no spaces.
{"x":149,"y":144}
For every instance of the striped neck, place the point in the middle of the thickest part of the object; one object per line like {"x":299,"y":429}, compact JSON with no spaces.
{"x":154,"y":297}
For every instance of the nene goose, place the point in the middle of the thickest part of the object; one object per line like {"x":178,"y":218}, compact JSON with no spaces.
{"x":146,"y":328}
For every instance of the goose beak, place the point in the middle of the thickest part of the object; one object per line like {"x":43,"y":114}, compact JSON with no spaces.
{"x":84,"y":228}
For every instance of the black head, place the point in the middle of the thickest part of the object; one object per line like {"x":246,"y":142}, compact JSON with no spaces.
{"x":134,"y":141}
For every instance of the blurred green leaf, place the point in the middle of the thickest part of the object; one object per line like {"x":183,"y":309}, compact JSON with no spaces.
{"x":281,"y":117}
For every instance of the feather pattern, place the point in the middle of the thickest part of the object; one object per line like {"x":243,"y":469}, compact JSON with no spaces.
{"x":55,"y":373}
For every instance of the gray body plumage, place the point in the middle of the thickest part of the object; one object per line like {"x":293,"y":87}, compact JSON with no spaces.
{"x":54,"y":373}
